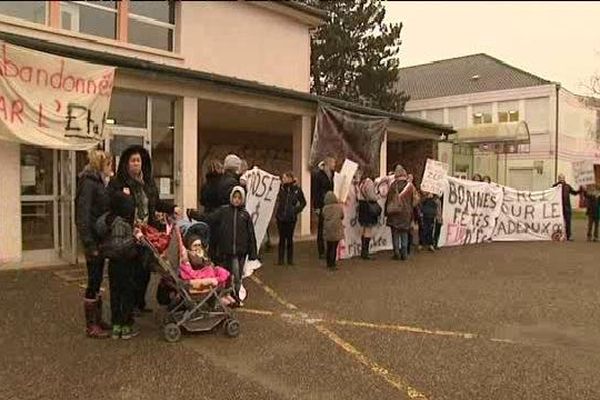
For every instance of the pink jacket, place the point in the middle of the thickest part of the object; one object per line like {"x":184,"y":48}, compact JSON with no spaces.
{"x":187,"y":273}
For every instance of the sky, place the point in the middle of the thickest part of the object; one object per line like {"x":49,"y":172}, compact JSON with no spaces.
{"x":558,"y":41}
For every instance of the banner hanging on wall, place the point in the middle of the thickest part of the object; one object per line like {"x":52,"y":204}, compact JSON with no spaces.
{"x":52,"y":101}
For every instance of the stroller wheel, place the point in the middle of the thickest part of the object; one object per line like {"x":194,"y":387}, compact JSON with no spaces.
{"x":168,"y":319}
{"x":232,"y":328}
{"x":172,"y":333}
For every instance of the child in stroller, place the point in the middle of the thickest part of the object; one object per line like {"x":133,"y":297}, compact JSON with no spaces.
{"x":197,"y":299}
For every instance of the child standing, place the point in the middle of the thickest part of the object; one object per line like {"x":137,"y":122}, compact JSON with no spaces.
{"x":333,"y":228}
{"x":236,"y":236}
{"x":290,"y":203}
{"x":429,"y":210}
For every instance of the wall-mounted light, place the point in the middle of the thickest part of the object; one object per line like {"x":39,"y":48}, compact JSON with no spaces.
{"x":110,"y":121}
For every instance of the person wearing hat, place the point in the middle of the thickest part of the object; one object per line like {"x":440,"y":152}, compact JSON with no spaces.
{"x":401,"y":199}
{"x":230,"y":179}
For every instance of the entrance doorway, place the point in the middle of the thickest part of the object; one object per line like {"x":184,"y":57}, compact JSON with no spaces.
{"x":48,"y":179}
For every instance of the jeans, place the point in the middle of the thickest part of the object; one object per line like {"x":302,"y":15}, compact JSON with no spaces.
{"x":95,"y":272}
{"x":400,"y":243}
{"x":235,"y":265}
{"x":426,"y":231}
{"x":592,"y":225}
{"x":286,"y":241}
{"x":331,"y":253}
{"x":122,"y":296}
{"x":567,"y":217}
{"x":320,"y":239}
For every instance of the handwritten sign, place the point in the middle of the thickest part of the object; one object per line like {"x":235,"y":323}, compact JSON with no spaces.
{"x":530,"y":215}
{"x":584,"y":173}
{"x":343,"y":180}
{"x":434,"y":176}
{"x":470,"y":212}
{"x":52,"y":101}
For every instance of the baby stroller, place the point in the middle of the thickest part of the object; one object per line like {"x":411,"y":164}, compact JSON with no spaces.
{"x":193,"y":311}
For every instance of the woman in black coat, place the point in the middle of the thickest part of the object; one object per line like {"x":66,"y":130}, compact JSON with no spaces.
{"x":92,"y":201}
{"x":209,"y":194}
{"x":134,"y":196}
{"x":290,"y":203}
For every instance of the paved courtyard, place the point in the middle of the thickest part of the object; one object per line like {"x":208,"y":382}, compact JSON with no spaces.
{"x":496,"y":321}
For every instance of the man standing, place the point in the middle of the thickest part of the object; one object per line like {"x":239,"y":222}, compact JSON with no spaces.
{"x":567,"y":191}
{"x":322,"y":183}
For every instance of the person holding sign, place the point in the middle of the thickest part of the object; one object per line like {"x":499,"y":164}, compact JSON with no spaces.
{"x":401,"y":199}
{"x":567,"y":191}
{"x":290,"y":203}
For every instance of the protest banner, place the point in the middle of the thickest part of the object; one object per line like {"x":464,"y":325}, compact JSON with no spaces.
{"x":470,"y":212}
{"x":52,"y":101}
{"x":343,"y":180}
{"x":583,"y":172}
{"x":350,"y":246}
{"x":530,"y":215}
{"x":262,"y":189}
{"x":434,"y":177}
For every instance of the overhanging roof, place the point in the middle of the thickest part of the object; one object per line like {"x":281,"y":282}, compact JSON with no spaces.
{"x":145,"y":66}
{"x":508,"y":132}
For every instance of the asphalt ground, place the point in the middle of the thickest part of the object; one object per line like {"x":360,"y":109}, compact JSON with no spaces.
{"x":494,"y":321}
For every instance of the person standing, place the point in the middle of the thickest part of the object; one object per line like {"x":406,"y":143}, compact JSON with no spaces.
{"x":333,"y":227}
{"x":230,"y":179}
{"x":290,"y":203}
{"x":135,"y":196}
{"x":401,"y":199}
{"x":429,"y":214}
{"x":566,"y":190}
{"x":369,"y":212}
{"x":92,"y":201}
{"x":209,"y":194}
{"x":591,"y":210}
{"x":323,"y":183}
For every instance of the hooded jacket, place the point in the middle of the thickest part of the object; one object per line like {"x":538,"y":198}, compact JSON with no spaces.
{"x":123,"y":203}
{"x":322,"y":184}
{"x":92,"y":201}
{"x":333,"y":216}
{"x":404,"y":193}
{"x":227,"y":182}
{"x":209,"y":194}
{"x":290,"y":202}
{"x":234,"y":229}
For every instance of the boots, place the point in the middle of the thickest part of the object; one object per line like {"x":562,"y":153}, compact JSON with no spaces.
{"x":104,"y":325}
{"x":364,"y":250}
{"x":93,"y":329}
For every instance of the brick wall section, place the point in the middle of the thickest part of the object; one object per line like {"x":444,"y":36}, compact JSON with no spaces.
{"x":412,"y":155}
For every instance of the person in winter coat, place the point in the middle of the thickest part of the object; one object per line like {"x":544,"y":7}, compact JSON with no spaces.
{"x":333,"y":227}
{"x":322,"y":183}
{"x":429,"y":212}
{"x":209,"y":194}
{"x":230,"y":179}
{"x":592,"y":208}
{"x":567,"y":191}
{"x":134,"y":196}
{"x":235,"y":230}
{"x":369,"y":212}
{"x":290,"y":203}
{"x":93,"y":201}
{"x":401,"y":199}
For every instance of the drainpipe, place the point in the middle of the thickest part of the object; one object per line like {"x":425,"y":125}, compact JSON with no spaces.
{"x":557,"y":87}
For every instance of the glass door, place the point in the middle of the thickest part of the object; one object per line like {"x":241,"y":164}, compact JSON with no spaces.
{"x":68,"y":234}
{"x":120,"y":138}
{"x":39,"y":203}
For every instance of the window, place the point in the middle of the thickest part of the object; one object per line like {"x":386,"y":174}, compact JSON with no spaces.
{"x":98,"y":18}
{"x":508,"y":111}
{"x":163,"y":143}
{"x":33,"y":11}
{"x":128,"y":109}
{"x":482,"y":114}
{"x":152,"y":24}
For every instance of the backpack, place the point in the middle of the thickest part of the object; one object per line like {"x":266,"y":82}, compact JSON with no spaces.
{"x":116,"y":238}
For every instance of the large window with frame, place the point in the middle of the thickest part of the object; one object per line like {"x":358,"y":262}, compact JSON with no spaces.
{"x":98,"y":18}
{"x":32,"y":11}
{"x":152,"y":24}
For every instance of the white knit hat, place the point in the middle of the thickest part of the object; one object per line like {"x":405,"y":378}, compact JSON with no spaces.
{"x":232,"y":163}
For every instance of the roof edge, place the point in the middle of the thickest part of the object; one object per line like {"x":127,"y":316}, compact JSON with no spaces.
{"x":305,"y":8}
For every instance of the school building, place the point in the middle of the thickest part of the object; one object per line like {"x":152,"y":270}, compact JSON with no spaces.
{"x":194,"y":81}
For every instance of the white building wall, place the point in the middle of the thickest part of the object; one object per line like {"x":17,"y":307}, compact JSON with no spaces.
{"x":10,"y":211}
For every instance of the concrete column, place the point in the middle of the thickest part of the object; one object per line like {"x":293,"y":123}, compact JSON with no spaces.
{"x":186,"y":152}
{"x":10,"y":213}
{"x":383,"y":156}
{"x":302,"y":134}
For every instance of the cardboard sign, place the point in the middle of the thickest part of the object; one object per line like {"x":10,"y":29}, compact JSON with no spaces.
{"x":434,"y":177}
{"x":343,"y":180}
{"x":52,"y":101}
{"x":530,"y":215}
{"x":583,"y":172}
